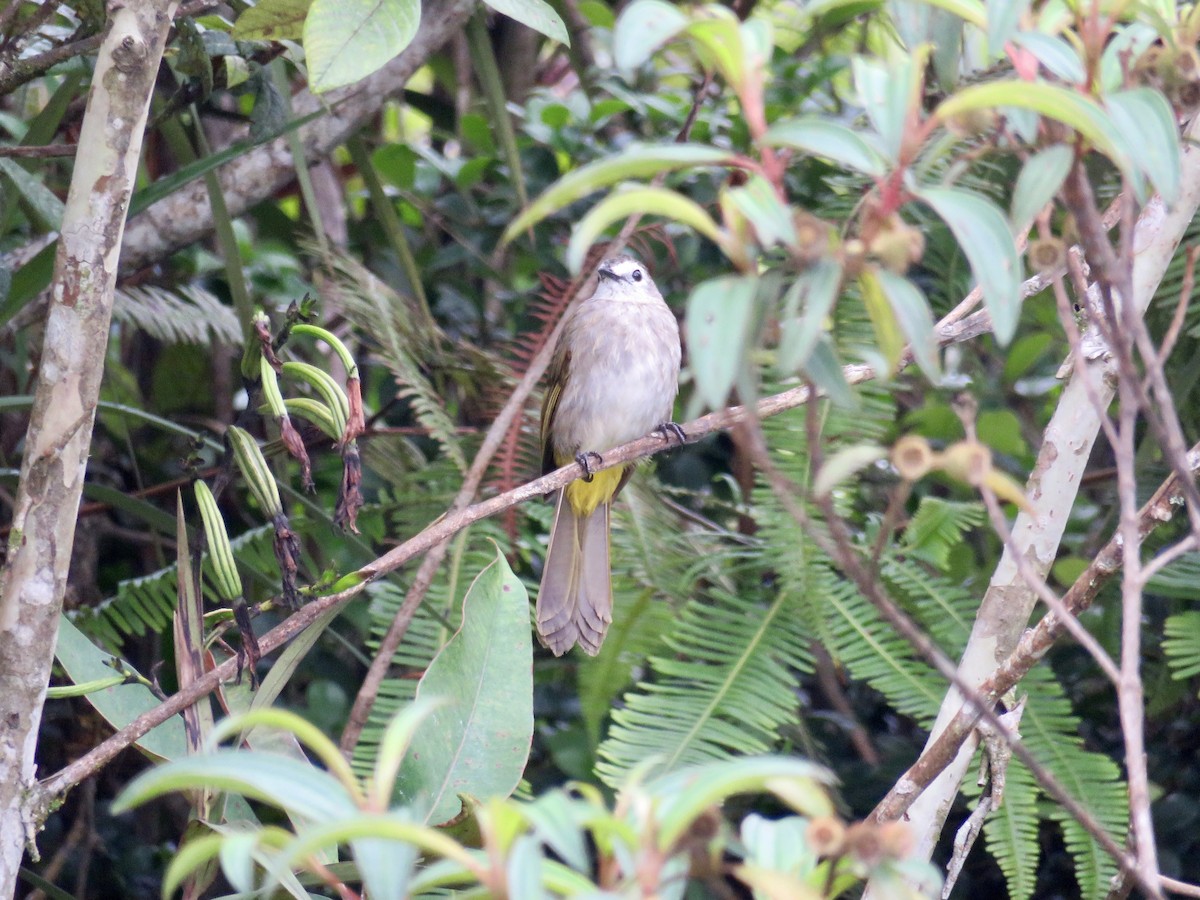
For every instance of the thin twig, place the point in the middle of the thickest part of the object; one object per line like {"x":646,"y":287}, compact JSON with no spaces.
{"x":45,"y":151}
{"x":1179,"y":887}
{"x":1181,"y":306}
{"x":1038,"y":585}
{"x":1031,"y":648}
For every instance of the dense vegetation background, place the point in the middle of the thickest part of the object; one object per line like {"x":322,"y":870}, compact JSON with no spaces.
{"x":413,"y":197}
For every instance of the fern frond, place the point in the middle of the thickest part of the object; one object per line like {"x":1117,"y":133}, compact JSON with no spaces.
{"x":937,"y":527}
{"x":1178,"y":579}
{"x":726,"y":688}
{"x":146,"y":605}
{"x":653,"y":561}
{"x":408,"y":348}
{"x":871,"y":650}
{"x":1182,"y":644}
{"x":944,"y":609}
{"x":188,"y":314}
{"x":519,"y":455}
{"x":1010,"y":833}
{"x":1050,"y":729}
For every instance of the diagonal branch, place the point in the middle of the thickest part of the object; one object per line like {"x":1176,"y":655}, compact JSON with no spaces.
{"x":441,"y":530}
{"x":1032,"y":646}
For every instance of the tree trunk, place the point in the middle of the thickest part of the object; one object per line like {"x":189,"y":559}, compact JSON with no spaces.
{"x":60,"y":427}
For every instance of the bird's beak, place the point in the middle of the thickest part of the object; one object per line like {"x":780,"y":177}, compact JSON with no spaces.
{"x":604,"y":272}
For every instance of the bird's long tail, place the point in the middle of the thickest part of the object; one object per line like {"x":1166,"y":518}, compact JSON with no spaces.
{"x":575,"y":600}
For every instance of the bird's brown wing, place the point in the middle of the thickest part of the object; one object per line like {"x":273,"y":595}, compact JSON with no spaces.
{"x":556,"y":378}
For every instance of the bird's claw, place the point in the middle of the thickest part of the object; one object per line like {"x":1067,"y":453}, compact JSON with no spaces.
{"x":583,"y":460}
{"x":672,"y":430}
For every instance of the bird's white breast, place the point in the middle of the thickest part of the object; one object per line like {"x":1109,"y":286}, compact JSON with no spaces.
{"x":623,"y":374}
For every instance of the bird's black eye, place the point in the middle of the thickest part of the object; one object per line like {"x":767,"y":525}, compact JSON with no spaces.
{"x":637,"y":275}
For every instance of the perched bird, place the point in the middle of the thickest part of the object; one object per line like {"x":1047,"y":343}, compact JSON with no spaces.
{"x":613,"y":378}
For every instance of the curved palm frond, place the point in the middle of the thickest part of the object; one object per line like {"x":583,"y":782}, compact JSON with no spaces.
{"x":146,"y":605}
{"x":728,"y":685}
{"x":187,"y":314}
{"x":1182,"y":644}
{"x":653,"y":560}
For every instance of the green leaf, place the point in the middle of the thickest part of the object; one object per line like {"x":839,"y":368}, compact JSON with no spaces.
{"x":45,"y":208}
{"x":719,"y":317}
{"x":1039,"y":181}
{"x":829,"y":140}
{"x":638,"y":161}
{"x":770,"y":217}
{"x":814,"y":292}
{"x":970,"y":11}
{"x":1059,"y":103}
{"x":889,"y":338}
{"x":845,"y":464}
{"x":1055,"y":54}
{"x":641,"y":29}
{"x":914,"y":317}
{"x":1129,"y":43}
{"x":889,"y":93}
{"x":825,"y":370}
{"x":1011,"y":832}
{"x":1003,"y":16}
{"x":982,"y":233}
{"x":477,"y":740}
{"x":537,"y":14}
{"x":720,"y":40}
{"x":1144,"y":114}
{"x":270,"y":112}
{"x":28,"y":281}
{"x":347,"y":40}
{"x":121,"y":704}
{"x":298,"y":788}
{"x":685,"y":794}
{"x":655,"y":201}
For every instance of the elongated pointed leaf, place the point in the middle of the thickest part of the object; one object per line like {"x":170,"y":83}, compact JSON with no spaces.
{"x":825,"y":370}
{"x":1003,"y":17}
{"x":476,"y":741}
{"x":536,"y":14}
{"x":347,"y":40}
{"x":685,"y":793}
{"x":44,"y":207}
{"x":654,"y":201}
{"x":121,"y":704}
{"x":983,"y":234}
{"x":888,"y":93}
{"x":1059,"y":103}
{"x":272,"y":20}
{"x":719,"y":315}
{"x":914,"y":317}
{"x":770,"y":217}
{"x":805,"y":307}
{"x":642,"y":28}
{"x":721,"y":43}
{"x":299,"y":788}
{"x":1145,"y":114}
{"x":1039,"y":181}
{"x":827,"y":139}
{"x":638,"y":161}
{"x":889,"y":338}
{"x":1057,"y":56}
